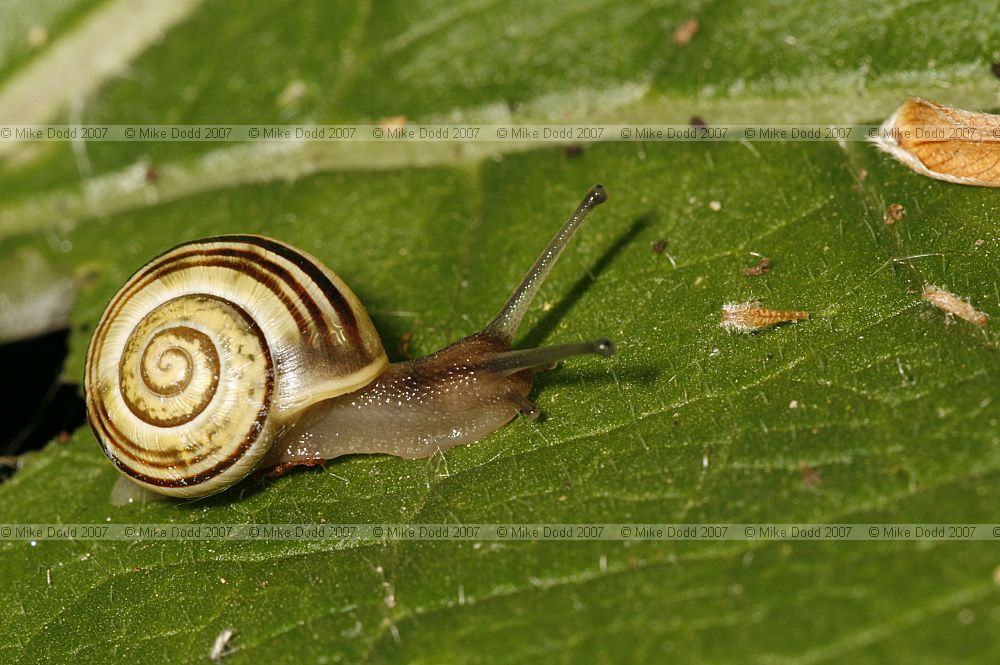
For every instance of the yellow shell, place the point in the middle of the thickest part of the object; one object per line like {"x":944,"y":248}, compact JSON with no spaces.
{"x":212,"y":350}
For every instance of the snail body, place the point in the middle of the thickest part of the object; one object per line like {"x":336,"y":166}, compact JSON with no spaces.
{"x":240,"y":353}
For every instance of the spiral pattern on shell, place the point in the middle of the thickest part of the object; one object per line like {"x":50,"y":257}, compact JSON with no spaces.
{"x":211,"y":351}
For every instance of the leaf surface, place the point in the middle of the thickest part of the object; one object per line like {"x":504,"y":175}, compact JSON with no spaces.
{"x":876,"y":409}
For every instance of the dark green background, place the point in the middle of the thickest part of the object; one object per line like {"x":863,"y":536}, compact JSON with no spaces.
{"x":896,"y":409}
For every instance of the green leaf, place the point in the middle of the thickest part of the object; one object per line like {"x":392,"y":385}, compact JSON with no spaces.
{"x":31,"y":26}
{"x":878,"y":408}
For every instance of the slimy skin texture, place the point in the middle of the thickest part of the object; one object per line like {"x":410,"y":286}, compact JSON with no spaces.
{"x":414,"y":409}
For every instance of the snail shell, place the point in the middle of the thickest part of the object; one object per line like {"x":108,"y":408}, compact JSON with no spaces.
{"x":213,"y":349}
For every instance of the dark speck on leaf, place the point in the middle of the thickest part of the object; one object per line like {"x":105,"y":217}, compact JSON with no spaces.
{"x":810,"y":478}
{"x":762,"y":266}
{"x":894,"y":213}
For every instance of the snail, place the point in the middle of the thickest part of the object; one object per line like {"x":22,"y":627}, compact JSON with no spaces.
{"x":238,"y":353}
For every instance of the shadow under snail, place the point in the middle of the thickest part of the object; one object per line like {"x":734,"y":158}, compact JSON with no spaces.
{"x":239,"y":353}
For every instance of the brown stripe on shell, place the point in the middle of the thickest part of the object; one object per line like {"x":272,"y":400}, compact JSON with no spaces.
{"x":191,"y":335}
{"x":309,"y":323}
{"x":174,"y":455}
{"x":148,"y":273}
{"x":244,"y":262}
{"x":262,"y":272}
{"x":124,"y":447}
{"x":223,"y":464}
{"x":175,"y":388}
{"x":319,"y":278}
{"x":108,"y":432}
